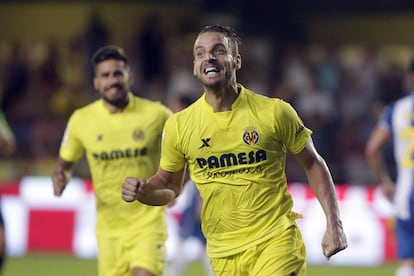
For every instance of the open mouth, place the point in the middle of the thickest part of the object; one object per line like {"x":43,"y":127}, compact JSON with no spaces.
{"x":211,"y":70}
{"x":114,"y":89}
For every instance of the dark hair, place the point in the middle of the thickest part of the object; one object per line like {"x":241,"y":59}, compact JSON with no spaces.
{"x":109,"y":52}
{"x":228,"y":32}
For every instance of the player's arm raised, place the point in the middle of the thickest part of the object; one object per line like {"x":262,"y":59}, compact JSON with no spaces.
{"x":61,"y":175}
{"x":160,"y":189}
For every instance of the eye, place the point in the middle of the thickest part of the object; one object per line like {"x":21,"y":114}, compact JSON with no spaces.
{"x":118,"y":73}
{"x":220,"y":50}
{"x":199,"y":54}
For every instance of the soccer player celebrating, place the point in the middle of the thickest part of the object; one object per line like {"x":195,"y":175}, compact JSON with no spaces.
{"x":120,"y":135}
{"x":234,"y":143}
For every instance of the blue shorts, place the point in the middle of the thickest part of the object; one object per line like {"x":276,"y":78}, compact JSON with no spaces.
{"x":405,"y":239}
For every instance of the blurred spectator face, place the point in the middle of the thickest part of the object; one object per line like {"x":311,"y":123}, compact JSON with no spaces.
{"x":113,"y":80}
{"x":214,"y":61}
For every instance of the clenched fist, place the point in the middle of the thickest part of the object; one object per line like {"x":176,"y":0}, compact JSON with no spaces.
{"x":333,"y":241}
{"x":131,"y":187}
{"x":60,"y":179}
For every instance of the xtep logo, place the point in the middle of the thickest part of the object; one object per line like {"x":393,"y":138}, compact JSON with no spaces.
{"x":205,"y":142}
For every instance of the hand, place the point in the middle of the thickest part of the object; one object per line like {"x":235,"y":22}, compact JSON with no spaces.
{"x":388,"y":188}
{"x":59,"y":179}
{"x":333,"y":241}
{"x":131,"y":187}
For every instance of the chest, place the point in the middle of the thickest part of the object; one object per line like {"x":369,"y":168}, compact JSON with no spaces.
{"x":235,"y":139}
{"x":123,"y":132}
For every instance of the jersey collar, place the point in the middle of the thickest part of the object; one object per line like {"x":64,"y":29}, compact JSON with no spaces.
{"x":128,"y":107}
{"x":235,"y":104}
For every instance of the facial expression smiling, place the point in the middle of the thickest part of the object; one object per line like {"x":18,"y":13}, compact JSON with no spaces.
{"x":215,"y":64}
{"x":113,"y":80}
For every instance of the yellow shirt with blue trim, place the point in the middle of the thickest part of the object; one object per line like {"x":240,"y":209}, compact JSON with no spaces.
{"x":118,"y":145}
{"x":237,"y":160}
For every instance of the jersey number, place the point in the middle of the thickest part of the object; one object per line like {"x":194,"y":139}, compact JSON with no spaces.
{"x":408,"y":161}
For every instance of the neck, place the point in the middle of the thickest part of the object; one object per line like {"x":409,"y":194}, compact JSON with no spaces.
{"x":222,"y":99}
{"x":114,"y":109}
{"x":117,"y":107}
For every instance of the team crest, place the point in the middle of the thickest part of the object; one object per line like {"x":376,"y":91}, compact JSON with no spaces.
{"x":251,"y":137}
{"x":138,"y":135}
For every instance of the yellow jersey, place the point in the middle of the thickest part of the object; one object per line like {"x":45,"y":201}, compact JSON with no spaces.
{"x":237,"y":160}
{"x":116,"y":146}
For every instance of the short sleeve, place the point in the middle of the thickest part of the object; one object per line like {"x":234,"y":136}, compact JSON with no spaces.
{"x":172,"y":157}
{"x":290,"y":128}
{"x":385,"y":120}
{"x":71,"y":148}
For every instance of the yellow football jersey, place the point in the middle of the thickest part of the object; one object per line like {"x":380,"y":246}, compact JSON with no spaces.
{"x":116,"y":146}
{"x":237,"y":160}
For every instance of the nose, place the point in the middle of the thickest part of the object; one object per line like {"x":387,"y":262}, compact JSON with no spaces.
{"x":114,"y":78}
{"x":114,"y":81}
{"x":211,"y":56}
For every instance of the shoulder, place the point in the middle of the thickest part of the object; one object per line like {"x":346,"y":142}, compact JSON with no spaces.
{"x":87,"y":110}
{"x":252,"y":95}
{"x":401,"y":104}
{"x":190,"y":111}
{"x":267,"y":104}
{"x":188,"y":117}
{"x":407,"y":100}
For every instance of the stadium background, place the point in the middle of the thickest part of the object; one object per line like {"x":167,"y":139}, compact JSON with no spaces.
{"x":337,"y":62}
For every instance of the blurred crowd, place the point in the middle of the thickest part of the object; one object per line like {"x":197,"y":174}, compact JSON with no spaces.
{"x":339,"y":90}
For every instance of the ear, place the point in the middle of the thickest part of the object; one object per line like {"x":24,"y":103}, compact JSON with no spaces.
{"x":194,"y":70}
{"x":131,"y":78}
{"x":95,"y":83}
{"x":238,"y":61}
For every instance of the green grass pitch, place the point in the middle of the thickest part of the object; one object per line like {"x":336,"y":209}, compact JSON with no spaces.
{"x":67,"y":265}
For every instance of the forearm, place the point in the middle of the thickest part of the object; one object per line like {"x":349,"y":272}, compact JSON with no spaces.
{"x":379,"y":170}
{"x":158,"y":191}
{"x":156,"y":197}
{"x":321,"y":183}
